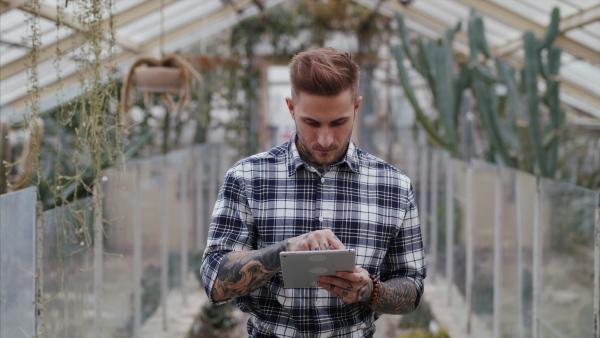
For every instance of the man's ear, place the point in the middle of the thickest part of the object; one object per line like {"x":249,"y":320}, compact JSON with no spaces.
{"x":290,"y":105}
{"x":357,"y":103}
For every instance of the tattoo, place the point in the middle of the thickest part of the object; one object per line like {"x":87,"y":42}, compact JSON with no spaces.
{"x":350,"y":287}
{"x":326,"y":246}
{"x":242,"y":272}
{"x":344,"y":293}
{"x":310,"y":159}
{"x":331,"y":287}
{"x":363,"y":292}
{"x":398,"y":296}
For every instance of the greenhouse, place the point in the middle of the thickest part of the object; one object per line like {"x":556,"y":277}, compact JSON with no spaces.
{"x":133,"y":202}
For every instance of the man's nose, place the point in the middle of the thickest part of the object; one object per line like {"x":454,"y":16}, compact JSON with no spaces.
{"x":325,"y":138}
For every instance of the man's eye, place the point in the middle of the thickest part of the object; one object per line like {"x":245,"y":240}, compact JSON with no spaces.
{"x":337,"y":123}
{"x":313,"y":124}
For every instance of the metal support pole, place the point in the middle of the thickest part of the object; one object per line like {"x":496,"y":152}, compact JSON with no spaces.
{"x":519,"y":211}
{"x":434,"y":212}
{"x":39,"y":260}
{"x":469,"y":117}
{"x":137,"y":254}
{"x":449,"y":225}
{"x":98,"y":259}
{"x":498,"y":255}
{"x":423,"y":188}
{"x":537,"y":258}
{"x":183,"y":184}
{"x":164,"y":274}
{"x":212,"y":176}
{"x":411,"y":154}
{"x":597,"y":278}
{"x":469,"y":249}
{"x":200,"y":203}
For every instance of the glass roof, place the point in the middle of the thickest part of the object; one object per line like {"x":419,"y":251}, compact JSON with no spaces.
{"x":149,"y":26}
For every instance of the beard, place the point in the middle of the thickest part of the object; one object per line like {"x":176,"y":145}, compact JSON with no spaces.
{"x":310,"y":152}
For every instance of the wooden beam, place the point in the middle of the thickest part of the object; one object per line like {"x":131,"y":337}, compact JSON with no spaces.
{"x":462,"y":46}
{"x":77,"y":39}
{"x":7,"y":5}
{"x":392,"y":8}
{"x":73,"y":79}
{"x":571,"y":22}
{"x":518,"y":21}
{"x":580,"y":19}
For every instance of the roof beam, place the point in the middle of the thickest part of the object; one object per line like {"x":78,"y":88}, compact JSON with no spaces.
{"x":77,"y":39}
{"x":7,"y":5}
{"x":580,"y":19}
{"x":73,"y":79}
{"x":462,"y":39}
{"x":391,"y":9}
{"x":518,"y":21}
{"x":571,"y":22}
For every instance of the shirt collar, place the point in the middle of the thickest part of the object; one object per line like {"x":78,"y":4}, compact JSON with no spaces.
{"x":295,"y":161}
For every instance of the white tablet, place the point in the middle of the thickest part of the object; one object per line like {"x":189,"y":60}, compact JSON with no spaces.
{"x":302,"y":269}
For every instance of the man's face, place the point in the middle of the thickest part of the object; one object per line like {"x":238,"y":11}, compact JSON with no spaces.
{"x":323,"y":126}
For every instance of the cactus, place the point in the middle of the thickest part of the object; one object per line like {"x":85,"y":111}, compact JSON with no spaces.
{"x":435,"y":63}
{"x":523,"y":137}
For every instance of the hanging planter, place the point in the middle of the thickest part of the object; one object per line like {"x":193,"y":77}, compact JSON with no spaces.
{"x":167,"y":77}
{"x":158,"y":79}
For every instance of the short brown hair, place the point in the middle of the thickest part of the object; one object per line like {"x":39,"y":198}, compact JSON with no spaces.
{"x":324,"y":72}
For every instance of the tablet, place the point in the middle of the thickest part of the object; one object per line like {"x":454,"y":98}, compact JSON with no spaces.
{"x":302,"y":269}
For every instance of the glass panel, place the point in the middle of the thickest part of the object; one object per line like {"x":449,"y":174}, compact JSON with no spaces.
{"x":484,"y":190}
{"x":17,"y":263}
{"x":460,"y":256}
{"x":567,"y":281}
{"x":150,"y":177}
{"x":442,"y":166}
{"x":117,"y":289}
{"x":68,"y":271}
{"x":516,"y":271}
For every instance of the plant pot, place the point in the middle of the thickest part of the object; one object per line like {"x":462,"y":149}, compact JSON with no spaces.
{"x":158,"y":79}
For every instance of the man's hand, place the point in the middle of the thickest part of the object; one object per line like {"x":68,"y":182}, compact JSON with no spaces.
{"x":242,"y":272}
{"x":315,"y":240}
{"x":350,"y":287}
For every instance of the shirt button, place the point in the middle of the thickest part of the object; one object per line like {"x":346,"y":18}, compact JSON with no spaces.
{"x":321,"y":219}
{"x":322,"y":180}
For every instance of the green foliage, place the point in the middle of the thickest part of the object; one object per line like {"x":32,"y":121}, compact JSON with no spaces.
{"x":151,"y":291}
{"x":426,"y":334}
{"x":517,"y":132}
{"x":419,"y":319}
{"x":434,"y":62}
{"x":218,"y":316}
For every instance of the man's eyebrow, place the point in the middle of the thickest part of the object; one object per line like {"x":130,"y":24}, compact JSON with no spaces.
{"x":341,"y":119}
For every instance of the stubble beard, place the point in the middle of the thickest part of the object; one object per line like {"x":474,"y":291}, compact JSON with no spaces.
{"x":308,"y":155}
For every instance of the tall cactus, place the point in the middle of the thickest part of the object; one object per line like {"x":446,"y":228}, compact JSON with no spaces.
{"x":524,"y":137}
{"x":435,"y":62}
{"x":515,"y":131}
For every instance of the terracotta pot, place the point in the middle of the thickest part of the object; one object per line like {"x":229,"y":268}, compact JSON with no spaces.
{"x":158,"y":79}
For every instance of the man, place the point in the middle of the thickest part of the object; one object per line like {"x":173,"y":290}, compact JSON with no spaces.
{"x":316,"y":192}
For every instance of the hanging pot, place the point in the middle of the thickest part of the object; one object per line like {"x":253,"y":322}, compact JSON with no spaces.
{"x":158,"y":79}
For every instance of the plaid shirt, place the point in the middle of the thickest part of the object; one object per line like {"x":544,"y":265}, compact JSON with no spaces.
{"x":269,"y":197}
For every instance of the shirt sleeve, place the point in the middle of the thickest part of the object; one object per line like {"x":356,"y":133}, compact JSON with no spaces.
{"x":405,"y":257}
{"x":228,"y":230}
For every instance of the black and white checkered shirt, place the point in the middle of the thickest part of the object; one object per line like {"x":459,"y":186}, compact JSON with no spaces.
{"x":269,"y":197}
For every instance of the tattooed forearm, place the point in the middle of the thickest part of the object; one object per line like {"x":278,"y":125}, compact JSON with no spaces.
{"x":398,"y":296}
{"x":242,"y":272}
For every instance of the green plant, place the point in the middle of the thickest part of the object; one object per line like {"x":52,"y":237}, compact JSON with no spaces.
{"x":419,"y":319}
{"x":218,"y":316}
{"x":435,"y":63}
{"x":426,"y":334}
{"x":523,"y":135}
